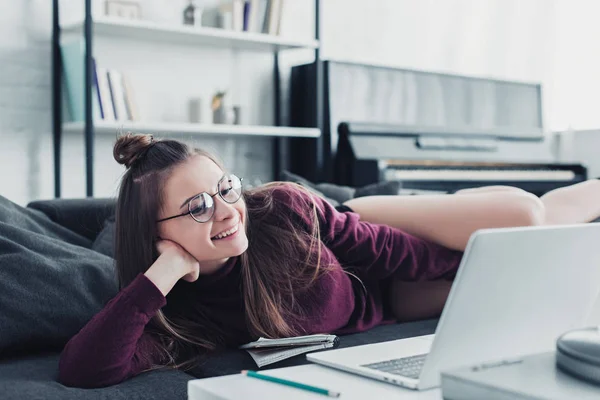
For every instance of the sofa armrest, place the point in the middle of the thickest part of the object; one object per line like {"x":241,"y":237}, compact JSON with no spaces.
{"x":84,"y":216}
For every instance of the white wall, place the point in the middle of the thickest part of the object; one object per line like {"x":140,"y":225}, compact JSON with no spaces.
{"x":506,"y":39}
{"x":575,"y":101}
{"x":24,"y":107}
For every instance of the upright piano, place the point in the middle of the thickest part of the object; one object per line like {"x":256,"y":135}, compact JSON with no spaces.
{"x":438,"y":160}
{"x":433,"y":132}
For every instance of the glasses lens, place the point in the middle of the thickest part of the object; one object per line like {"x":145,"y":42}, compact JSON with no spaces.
{"x":230,"y":188}
{"x":202,"y":207}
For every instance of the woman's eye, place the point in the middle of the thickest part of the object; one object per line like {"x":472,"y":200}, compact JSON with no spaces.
{"x":225,"y":192}
{"x":198,"y":210}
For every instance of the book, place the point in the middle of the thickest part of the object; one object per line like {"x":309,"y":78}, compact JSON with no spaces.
{"x":105,"y":97}
{"x":132,"y":109}
{"x":115,"y":81}
{"x":73,"y":59}
{"x":533,"y":376}
{"x":269,"y":351}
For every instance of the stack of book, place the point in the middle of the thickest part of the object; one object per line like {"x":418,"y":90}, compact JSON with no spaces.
{"x":112,"y":97}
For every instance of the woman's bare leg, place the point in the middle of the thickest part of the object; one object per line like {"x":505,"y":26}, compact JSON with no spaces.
{"x":451,"y":219}
{"x":573,"y":204}
{"x":425,"y":299}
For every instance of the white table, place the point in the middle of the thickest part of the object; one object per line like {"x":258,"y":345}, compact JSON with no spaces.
{"x":351,"y":386}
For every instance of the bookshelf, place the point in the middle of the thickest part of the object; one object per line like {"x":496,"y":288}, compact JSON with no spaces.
{"x":115,"y":28}
{"x":201,"y":36}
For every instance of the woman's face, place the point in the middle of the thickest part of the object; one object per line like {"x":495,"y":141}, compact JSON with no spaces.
{"x":211,"y":242}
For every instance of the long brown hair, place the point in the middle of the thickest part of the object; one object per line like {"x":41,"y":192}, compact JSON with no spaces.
{"x":283,"y":256}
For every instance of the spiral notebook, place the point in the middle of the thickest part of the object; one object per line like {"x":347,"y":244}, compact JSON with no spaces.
{"x":269,"y":351}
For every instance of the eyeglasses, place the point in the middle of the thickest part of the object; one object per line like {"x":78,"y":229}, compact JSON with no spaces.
{"x":201,"y":207}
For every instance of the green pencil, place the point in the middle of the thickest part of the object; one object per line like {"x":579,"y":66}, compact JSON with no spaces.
{"x":315,"y":389}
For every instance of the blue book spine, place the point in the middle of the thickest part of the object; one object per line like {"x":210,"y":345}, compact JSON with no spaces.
{"x":73,"y":59}
{"x":246,"y":14}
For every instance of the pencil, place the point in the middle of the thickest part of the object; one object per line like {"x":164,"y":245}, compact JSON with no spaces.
{"x":314,"y":389}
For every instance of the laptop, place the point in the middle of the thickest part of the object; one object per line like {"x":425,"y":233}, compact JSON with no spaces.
{"x":516,"y":291}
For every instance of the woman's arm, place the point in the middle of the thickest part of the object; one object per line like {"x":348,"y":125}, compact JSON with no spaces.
{"x":450,"y":220}
{"x":112,"y":346}
{"x":376,"y":251}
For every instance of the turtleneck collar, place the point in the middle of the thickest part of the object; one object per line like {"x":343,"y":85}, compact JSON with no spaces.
{"x":221,"y":273}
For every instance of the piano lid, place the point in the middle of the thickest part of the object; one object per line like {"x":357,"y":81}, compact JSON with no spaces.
{"x":498,"y":133}
{"x":402,"y":142}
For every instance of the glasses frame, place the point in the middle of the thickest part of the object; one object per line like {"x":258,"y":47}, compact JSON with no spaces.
{"x":189,"y":211}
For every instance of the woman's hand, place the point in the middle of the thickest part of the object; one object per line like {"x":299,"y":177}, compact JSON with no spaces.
{"x":173,"y":263}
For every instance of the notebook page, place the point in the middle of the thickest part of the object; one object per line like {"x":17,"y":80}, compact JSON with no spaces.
{"x":292,"y":341}
{"x":264,"y":357}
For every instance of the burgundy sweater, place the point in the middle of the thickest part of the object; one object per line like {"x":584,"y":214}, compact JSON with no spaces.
{"x":113,"y":345}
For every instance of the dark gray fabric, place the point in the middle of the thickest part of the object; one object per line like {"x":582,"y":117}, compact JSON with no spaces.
{"x":36,"y":221}
{"x":233,"y":361}
{"x":384,"y":188}
{"x":51,"y":284}
{"x":338,"y":194}
{"x":334,"y":194}
{"x":35,"y":377}
{"x":105,"y":241}
{"x":83,"y":216}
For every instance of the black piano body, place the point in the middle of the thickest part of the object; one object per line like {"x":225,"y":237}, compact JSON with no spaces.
{"x":432,"y":131}
{"x":437,"y":160}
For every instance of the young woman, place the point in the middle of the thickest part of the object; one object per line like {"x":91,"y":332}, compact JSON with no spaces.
{"x":203,"y":265}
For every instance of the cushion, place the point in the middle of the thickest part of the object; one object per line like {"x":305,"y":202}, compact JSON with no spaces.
{"x":51,"y":284}
{"x":385,"y":188}
{"x":84,"y":216}
{"x":334,"y":194}
{"x":35,"y":377}
{"x":105,"y":241}
{"x":36,"y":221}
{"x":338,"y":194}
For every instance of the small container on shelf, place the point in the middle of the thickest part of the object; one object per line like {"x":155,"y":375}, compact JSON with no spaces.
{"x":192,"y":14}
{"x":222,"y":113}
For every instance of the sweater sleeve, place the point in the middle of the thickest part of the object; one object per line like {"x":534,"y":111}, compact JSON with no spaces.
{"x":373,"y":250}
{"x":112,"y":346}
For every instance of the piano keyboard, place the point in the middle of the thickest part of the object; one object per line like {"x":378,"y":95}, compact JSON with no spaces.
{"x":484,"y":175}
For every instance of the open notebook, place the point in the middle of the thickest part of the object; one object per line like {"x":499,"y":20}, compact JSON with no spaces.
{"x":268,"y":351}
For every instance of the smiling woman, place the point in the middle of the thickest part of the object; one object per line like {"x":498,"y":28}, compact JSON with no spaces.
{"x":210,"y":233}
{"x":204,"y":265}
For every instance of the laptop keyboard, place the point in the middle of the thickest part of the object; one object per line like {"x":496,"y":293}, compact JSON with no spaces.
{"x":409,"y":367}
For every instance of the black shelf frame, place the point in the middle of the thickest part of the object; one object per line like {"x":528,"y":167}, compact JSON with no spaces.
{"x":281,"y":145}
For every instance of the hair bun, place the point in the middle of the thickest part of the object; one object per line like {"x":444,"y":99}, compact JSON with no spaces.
{"x":130,"y":147}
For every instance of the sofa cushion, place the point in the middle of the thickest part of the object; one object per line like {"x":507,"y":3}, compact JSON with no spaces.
{"x":35,"y":377}
{"x":334,"y":194}
{"x":51,"y":284}
{"x":84,"y":216}
{"x":33,"y":220}
{"x":338,"y":194}
{"x":105,"y":241}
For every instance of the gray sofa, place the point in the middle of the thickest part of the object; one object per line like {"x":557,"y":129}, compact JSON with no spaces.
{"x":54,"y":277}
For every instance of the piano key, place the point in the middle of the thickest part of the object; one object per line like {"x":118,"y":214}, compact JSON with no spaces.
{"x":478,"y":175}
